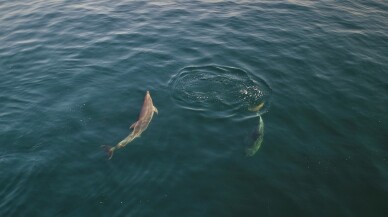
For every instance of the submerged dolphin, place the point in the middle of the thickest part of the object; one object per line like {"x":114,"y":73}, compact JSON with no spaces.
{"x":259,"y":134}
{"x":145,"y":117}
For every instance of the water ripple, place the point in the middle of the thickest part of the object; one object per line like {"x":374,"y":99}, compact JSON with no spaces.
{"x":73,"y":77}
{"x":219,"y":90}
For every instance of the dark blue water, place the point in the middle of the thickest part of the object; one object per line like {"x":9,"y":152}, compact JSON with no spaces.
{"x":73,"y":75}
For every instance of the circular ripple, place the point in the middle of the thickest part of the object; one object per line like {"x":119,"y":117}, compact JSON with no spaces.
{"x":219,"y":90}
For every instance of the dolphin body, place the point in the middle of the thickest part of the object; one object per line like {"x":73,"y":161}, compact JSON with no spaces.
{"x":145,"y":117}
{"x":259,"y":135}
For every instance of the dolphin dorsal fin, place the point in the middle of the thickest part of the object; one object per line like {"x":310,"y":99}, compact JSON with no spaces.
{"x":133,"y":125}
{"x":155,"y":110}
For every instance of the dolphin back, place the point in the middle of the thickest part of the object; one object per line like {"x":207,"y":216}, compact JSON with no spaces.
{"x":250,"y":151}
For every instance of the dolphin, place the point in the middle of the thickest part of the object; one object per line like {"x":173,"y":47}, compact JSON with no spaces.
{"x":259,"y":135}
{"x":145,"y":117}
{"x":256,"y":108}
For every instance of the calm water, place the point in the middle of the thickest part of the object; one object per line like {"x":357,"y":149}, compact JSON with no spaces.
{"x":74,"y":75}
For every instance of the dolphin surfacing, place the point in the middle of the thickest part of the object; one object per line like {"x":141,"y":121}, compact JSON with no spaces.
{"x":256,"y":108}
{"x":145,"y":117}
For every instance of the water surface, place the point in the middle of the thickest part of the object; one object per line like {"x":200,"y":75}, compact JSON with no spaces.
{"x":74,"y":75}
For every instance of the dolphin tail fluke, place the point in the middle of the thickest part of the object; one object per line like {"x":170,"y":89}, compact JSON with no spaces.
{"x":109,"y":150}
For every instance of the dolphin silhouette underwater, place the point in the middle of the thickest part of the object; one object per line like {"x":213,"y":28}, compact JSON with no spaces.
{"x":145,"y":117}
{"x":258,"y":133}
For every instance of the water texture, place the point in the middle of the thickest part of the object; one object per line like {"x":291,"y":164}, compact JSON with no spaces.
{"x":219,"y":91}
{"x":73,"y":75}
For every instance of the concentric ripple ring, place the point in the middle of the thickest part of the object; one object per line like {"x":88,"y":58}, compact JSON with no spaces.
{"x":219,"y":91}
